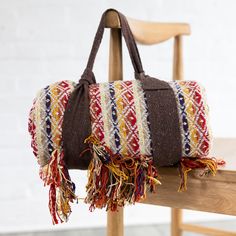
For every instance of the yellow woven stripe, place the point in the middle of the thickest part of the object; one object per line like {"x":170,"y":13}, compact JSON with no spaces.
{"x":190,"y":117}
{"x":194,"y":133}
{"x":194,"y":136}
{"x":55,"y":115}
{"x":137,"y":105}
{"x":120,"y":117}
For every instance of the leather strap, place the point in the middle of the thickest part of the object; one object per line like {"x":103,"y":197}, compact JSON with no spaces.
{"x":129,"y":39}
{"x":163,"y":115}
{"x":163,"y":122}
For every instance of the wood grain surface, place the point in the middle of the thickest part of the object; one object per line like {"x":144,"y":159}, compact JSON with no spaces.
{"x":211,"y":194}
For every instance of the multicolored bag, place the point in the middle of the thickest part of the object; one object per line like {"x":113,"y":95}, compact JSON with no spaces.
{"x":120,"y":131}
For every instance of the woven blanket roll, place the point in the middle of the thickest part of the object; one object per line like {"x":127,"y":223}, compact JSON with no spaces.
{"x":125,"y":146}
{"x":122,"y":124}
{"x":119,"y":117}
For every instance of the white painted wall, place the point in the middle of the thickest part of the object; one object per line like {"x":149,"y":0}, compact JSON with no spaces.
{"x":45,"y":41}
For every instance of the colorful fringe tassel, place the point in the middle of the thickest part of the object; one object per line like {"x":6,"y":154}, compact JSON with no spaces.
{"x":208,"y":165}
{"x":62,"y":189}
{"x":114,"y":180}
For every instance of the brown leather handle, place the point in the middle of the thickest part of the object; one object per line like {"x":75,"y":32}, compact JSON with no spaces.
{"x":130,"y":42}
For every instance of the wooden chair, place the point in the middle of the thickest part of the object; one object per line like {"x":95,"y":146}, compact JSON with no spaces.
{"x":211,"y":194}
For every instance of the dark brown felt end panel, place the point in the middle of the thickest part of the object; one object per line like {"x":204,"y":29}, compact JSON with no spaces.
{"x":76,"y":128}
{"x":164,"y":122}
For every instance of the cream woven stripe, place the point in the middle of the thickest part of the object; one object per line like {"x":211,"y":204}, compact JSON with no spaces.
{"x":138,"y":112}
{"x":207,"y":115}
{"x":40,"y":114}
{"x":104,"y":93}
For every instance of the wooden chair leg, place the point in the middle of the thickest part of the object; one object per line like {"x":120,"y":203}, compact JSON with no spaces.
{"x":176,"y":221}
{"x":178,"y":59}
{"x":115,"y":223}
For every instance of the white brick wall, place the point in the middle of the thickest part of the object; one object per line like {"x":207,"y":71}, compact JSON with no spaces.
{"x":45,"y":41}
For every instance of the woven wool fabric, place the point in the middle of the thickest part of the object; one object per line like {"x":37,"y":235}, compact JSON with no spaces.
{"x":119,"y":117}
{"x":46,"y":117}
{"x":121,"y":170}
{"x":45,"y":127}
{"x":193,"y":117}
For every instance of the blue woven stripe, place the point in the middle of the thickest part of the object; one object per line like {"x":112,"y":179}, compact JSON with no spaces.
{"x":48,"y":119}
{"x":184,"y":119}
{"x":114,"y":117}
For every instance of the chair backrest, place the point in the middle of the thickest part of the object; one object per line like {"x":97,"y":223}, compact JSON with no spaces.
{"x":146,"y":33}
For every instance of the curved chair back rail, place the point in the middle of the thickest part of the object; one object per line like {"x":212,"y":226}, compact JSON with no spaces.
{"x":148,"y":33}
